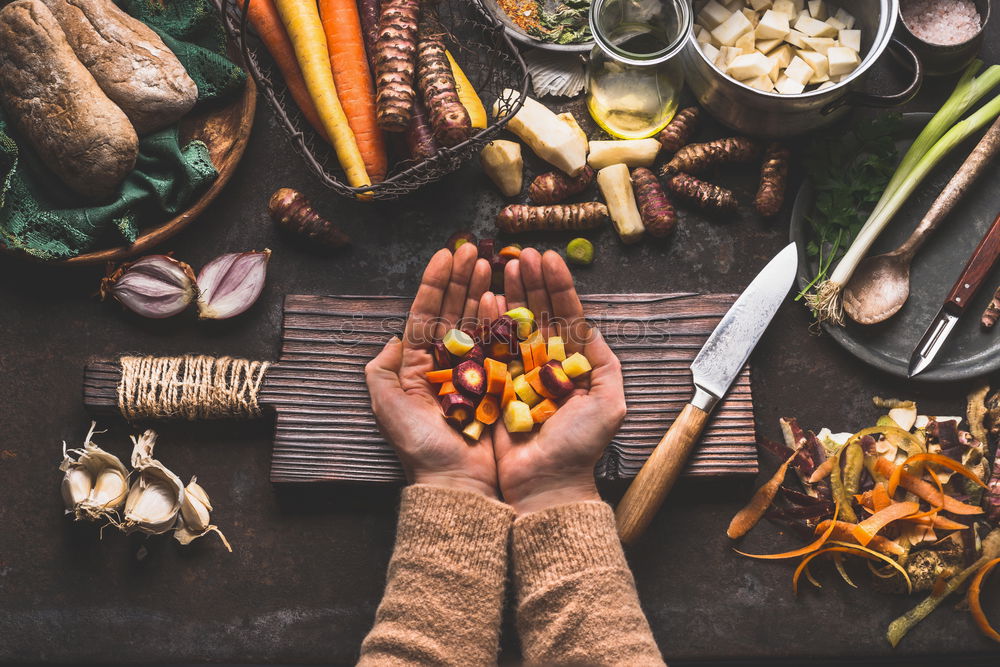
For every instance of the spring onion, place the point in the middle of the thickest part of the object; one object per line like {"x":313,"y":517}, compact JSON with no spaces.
{"x":936,"y":140}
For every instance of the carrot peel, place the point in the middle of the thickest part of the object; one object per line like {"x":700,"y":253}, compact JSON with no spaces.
{"x":802,"y":551}
{"x":976,"y":607}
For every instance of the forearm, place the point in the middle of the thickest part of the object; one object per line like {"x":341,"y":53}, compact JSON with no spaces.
{"x":576,"y":598}
{"x":444,"y":590}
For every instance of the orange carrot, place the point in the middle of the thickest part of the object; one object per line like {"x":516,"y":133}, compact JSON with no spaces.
{"x":437,"y":377}
{"x":526,"y":356}
{"x":265,"y":20}
{"x":488,"y":410}
{"x":508,"y":394}
{"x":496,"y":376}
{"x":345,"y":43}
{"x":539,"y":355}
{"x":535,"y":380}
{"x":541,"y":412}
{"x":447,"y":387}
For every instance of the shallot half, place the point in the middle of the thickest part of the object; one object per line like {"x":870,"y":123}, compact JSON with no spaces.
{"x":231,"y":283}
{"x":155,"y":286}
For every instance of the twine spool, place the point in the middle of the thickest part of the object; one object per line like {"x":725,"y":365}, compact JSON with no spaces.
{"x":190,"y":387}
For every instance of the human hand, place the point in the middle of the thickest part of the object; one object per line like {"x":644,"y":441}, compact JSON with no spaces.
{"x":555,"y":464}
{"x":406,"y":405}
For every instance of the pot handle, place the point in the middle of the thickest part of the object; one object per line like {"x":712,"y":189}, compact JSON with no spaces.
{"x":857,"y":98}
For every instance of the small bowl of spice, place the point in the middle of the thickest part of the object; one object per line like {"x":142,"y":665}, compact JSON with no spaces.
{"x":553,"y":25}
{"x":945,"y":34}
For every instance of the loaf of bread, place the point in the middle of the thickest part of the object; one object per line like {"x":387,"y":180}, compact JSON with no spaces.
{"x":57,"y":106}
{"x":131,"y":63}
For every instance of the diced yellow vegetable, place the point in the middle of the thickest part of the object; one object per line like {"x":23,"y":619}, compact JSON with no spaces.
{"x":525,"y":321}
{"x":762,"y":82}
{"x":556,"y":348}
{"x":796,"y":39}
{"x":765,"y":46}
{"x":474,"y":430}
{"x":786,"y":7}
{"x":746,"y":43}
{"x":525,"y":392}
{"x":711,"y":53}
{"x":817,"y":9}
{"x":760,"y":5}
{"x":817,"y":61}
{"x":784,"y":54}
{"x":517,"y":417}
{"x":845,"y":17}
{"x":458,"y":342}
{"x":576,"y":365}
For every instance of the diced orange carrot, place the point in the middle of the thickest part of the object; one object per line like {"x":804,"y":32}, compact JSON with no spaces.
{"x":437,"y":377}
{"x":511,"y":251}
{"x":535,"y":380}
{"x":488,"y":410}
{"x":541,"y":412}
{"x":447,"y":387}
{"x":539,"y":355}
{"x":496,"y":376}
{"x":526,"y":358}
{"x":508,"y":392}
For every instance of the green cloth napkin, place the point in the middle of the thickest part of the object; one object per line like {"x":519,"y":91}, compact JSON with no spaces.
{"x":41,"y":217}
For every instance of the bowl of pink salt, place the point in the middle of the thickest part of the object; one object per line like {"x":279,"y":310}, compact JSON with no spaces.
{"x":946,"y":34}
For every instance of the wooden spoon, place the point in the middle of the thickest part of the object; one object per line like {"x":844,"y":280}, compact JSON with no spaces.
{"x":881,"y":284}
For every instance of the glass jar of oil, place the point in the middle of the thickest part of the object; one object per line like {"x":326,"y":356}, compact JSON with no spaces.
{"x":634,"y":76}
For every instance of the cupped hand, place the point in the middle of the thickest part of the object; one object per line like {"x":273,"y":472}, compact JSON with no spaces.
{"x":555,"y":464}
{"x":406,"y":406}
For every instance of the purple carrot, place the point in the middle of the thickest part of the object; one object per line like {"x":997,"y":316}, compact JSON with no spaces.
{"x":369,"y":11}
{"x":419,"y":137}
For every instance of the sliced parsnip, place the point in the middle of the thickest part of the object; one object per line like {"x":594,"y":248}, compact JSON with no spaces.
{"x":631,"y":152}
{"x":551,"y":138}
{"x":502,"y":162}
{"x":616,"y":188}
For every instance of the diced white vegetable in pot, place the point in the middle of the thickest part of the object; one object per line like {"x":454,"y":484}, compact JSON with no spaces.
{"x":784,"y":54}
{"x":749,"y":66}
{"x":616,"y":188}
{"x":842,"y":60}
{"x":825,"y":85}
{"x":786,"y":7}
{"x":810,"y":27}
{"x":746,"y":43}
{"x":763,"y":83}
{"x":631,"y":152}
{"x":796,"y":39}
{"x":799,"y":5}
{"x":760,"y":5}
{"x":805,"y":13}
{"x":711,"y":53}
{"x":765,"y":46}
{"x":820,"y":65}
{"x":734,"y":6}
{"x":712,"y":14}
{"x":732,"y":29}
{"x":773,"y":25}
{"x":799,"y":70}
{"x":818,"y":78}
{"x":836,"y":23}
{"x":820,"y":44}
{"x":851,"y":39}
{"x":817,"y":9}
{"x":787,"y":86}
{"x":751,"y":15}
{"x":775,"y":69}
{"x":845,"y":17}
{"x":729,"y":54}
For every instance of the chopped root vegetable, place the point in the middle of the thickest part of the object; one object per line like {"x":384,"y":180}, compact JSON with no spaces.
{"x":518,"y":218}
{"x":976,"y":607}
{"x":541,"y":412}
{"x":925,"y":490}
{"x":447,"y":387}
{"x":437,"y":377}
{"x":867,"y":529}
{"x":496,"y":376}
{"x":748,"y":517}
{"x":508,"y":394}
{"x":488,"y":410}
{"x":630,"y":152}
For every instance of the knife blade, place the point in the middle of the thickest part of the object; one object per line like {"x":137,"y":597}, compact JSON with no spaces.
{"x":979,"y":266}
{"x":714,"y":368}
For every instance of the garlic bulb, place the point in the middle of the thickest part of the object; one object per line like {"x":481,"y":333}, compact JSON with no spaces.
{"x":95,"y":483}
{"x":154,"y":501}
{"x":195,"y":519}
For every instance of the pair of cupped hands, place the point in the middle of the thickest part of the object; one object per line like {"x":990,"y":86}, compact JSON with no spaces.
{"x":550,"y":466}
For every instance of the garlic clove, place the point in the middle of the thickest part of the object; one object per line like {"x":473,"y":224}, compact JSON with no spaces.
{"x":231,"y":283}
{"x":109,"y":489}
{"x":184,"y":534}
{"x":195,"y":514}
{"x":195,"y":489}
{"x":94,"y":484}
{"x":76,"y":486}
{"x":155,"y":286}
{"x":154,"y":500}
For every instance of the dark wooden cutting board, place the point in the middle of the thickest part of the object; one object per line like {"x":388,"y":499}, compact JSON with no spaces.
{"x":325,"y":430}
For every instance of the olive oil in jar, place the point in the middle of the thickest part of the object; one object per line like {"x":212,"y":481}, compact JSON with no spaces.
{"x":633,"y":77}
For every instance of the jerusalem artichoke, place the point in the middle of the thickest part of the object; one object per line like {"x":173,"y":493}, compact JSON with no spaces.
{"x":553,"y":187}
{"x":395,"y":61}
{"x":450,"y":119}
{"x":991,"y":315}
{"x":699,"y":158}
{"x":658,"y":214}
{"x":678,"y":133}
{"x":518,"y":218}
{"x":773,"y":180}
{"x":292,"y":212}
{"x":702,"y":193}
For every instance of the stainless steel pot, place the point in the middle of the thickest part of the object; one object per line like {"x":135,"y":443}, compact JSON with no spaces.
{"x":755,"y":112}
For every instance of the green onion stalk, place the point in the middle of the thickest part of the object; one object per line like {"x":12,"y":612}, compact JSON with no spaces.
{"x":936,"y":140}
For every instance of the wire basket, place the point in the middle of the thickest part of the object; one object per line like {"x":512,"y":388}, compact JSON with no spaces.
{"x":479,"y":43}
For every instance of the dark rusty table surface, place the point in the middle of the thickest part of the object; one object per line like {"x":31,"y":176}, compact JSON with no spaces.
{"x":308,"y":566}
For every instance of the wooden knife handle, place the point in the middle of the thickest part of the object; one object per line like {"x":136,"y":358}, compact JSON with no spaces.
{"x":650,"y":487}
{"x":975,"y":272}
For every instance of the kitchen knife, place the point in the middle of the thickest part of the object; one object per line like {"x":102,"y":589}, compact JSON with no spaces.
{"x":714,"y":369}
{"x":984,"y":257}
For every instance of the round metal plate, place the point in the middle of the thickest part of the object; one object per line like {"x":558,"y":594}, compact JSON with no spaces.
{"x":970,"y":351}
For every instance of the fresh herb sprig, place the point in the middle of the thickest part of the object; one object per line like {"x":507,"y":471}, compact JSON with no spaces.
{"x":848,"y":173}
{"x":563,"y":21}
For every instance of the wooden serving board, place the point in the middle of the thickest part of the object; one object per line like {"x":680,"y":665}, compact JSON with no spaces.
{"x":325,"y":429}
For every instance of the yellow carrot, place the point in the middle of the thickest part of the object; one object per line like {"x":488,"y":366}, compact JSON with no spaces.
{"x":302,"y":22}
{"x":467,"y":94}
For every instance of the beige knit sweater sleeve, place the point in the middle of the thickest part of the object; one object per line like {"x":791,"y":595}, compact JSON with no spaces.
{"x":444,"y":591}
{"x":576,"y":598}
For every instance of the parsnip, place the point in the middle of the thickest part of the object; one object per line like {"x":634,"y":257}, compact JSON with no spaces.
{"x":631,"y":152}
{"x":616,"y":188}
{"x":551,"y":138}
{"x":568,"y":118}
{"x":502,"y":162}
